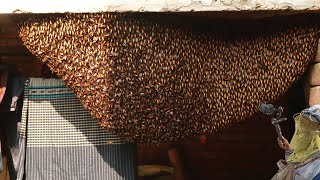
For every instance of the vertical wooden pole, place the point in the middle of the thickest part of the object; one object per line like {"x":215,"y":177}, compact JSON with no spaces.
{"x":177,"y":162}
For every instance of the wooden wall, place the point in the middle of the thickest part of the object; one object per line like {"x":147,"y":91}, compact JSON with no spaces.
{"x":246,"y":150}
{"x":12,"y":51}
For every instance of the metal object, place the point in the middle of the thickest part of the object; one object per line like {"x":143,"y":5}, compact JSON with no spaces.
{"x":269,"y":110}
{"x":276,"y":122}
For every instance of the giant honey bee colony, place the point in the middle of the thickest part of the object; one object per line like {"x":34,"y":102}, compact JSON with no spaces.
{"x":154,"y":82}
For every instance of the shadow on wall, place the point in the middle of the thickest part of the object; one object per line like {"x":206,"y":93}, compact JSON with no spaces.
{"x":296,"y":103}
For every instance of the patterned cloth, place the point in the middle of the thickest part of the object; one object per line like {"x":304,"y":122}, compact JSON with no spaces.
{"x":63,"y":142}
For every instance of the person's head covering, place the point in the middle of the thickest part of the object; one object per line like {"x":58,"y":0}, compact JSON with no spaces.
{"x":306,"y":139}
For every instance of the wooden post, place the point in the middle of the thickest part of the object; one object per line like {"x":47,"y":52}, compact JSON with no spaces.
{"x":176,"y":161}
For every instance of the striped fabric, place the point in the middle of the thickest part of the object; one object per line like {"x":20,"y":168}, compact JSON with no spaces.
{"x":64,"y":142}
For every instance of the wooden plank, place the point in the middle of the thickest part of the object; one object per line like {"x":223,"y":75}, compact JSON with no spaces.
{"x":230,"y":147}
{"x":235,"y":156}
{"x":11,"y":43}
{"x":29,"y":69}
{"x":21,"y":50}
{"x":9,"y":35}
{"x":17,"y":59}
{"x":231,"y":174}
{"x":236,"y":163}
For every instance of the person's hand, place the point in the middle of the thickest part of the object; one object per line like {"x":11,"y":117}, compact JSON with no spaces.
{"x":284,"y":144}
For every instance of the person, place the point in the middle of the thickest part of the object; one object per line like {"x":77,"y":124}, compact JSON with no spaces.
{"x":302,"y":154}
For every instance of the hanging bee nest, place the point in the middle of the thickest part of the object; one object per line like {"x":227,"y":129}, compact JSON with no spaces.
{"x":150,"y":81}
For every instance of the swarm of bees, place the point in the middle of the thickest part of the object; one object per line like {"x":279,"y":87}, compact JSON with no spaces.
{"x":153,"y":82}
